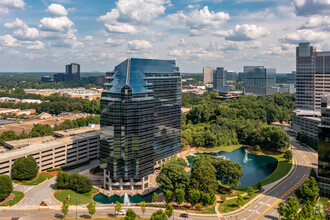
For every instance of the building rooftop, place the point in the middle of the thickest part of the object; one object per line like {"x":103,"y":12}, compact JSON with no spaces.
{"x":74,"y":131}
{"x":27,"y":146}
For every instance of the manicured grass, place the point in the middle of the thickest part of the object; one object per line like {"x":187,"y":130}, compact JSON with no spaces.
{"x":230,"y":205}
{"x":324,"y":200}
{"x":208,"y":210}
{"x":220,"y":148}
{"x":18,"y":197}
{"x":41,"y":177}
{"x":85,"y":198}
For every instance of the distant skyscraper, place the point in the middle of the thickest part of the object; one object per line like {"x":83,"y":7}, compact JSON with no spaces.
{"x":260,"y":80}
{"x":291,"y":78}
{"x":140,"y":121}
{"x":241,"y":77}
{"x":219,"y":81}
{"x":230,"y":75}
{"x":312,"y":76}
{"x":324,"y":147}
{"x":207,"y":74}
{"x":72,"y":73}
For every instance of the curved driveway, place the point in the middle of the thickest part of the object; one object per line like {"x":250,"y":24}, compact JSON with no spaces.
{"x":266,"y":206}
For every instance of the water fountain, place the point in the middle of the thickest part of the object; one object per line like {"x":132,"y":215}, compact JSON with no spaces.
{"x":246,"y":159}
{"x":126,"y":199}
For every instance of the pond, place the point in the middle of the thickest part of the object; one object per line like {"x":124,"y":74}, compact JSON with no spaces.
{"x":255,"y":167}
{"x":132,"y":199}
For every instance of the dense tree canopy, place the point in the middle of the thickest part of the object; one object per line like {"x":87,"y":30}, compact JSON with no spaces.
{"x":173,"y":175}
{"x":24,"y":168}
{"x":6,"y":187}
{"x":74,"y":181}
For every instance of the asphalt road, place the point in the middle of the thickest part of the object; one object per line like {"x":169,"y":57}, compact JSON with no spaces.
{"x":266,"y":206}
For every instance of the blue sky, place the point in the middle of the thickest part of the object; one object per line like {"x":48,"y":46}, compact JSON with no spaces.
{"x":44,"y":35}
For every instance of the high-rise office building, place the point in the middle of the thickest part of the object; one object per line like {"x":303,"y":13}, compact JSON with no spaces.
{"x":220,"y":81}
{"x":230,"y":76}
{"x":312,"y":76}
{"x":241,"y":77}
{"x":324,"y":147}
{"x":72,"y":73}
{"x":207,"y":74}
{"x":140,"y":121}
{"x":260,"y":80}
{"x":291,"y":78}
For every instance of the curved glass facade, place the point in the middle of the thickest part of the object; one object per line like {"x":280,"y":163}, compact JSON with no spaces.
{"x":140,"y":118}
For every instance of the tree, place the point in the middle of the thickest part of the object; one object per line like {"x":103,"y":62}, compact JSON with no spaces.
{"x":194,"y":196}
{"x":179,"y":196}
{"x":239,"y":200}
{"x":310,"y":190}
{"x":118,"y":207}
{"x":227,"y":172}
{"x":168,"y":196}
{"x":62,"y":181}
{"x":25,"y":168}
{"x":154,"y":197}
{"x":130,"y":215}
{"x":6,"y":187}
{"x":143,"y":207}
{"x":169,"y":210}
{"x":173,"y":176}
{"x":259,"y":186}
{"x":206,"y":199}
{"x":158,"y":215}
{"x":289,"y":211}
{"x":310,"y":211}
{"x":80,"y":183}
{"x":250,"y":191}
{"x":91,"y":208}
{"x":65,"y":208}
{"x":203,"y":175}
{"x":314,"y":174}
{"x":40,"y":130}
{"x":298,"y":194}
{"x":288,"y":155}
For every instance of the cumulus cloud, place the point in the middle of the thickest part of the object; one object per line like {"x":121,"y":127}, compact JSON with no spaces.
{"x":131,"y":13}
{"x":305,"y":35}
{"x":311,"y":7}
{"x":89,"y":38}
{"x":57,"y":24}
{"x":56,"y":10}
{"x":37,"y":45}
{"x":6,"y":5}
{"x":321,"y":22}
{"x":199,"y":20}
{"x":245,"y":32}
{"x":138,"y":45}
{"x":114,"y":42}
{"x":8,"y":41}
{"x":22,"y":30}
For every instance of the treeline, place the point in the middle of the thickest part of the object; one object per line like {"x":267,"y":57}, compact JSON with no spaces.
{"x":53,"y":104}
{"x":244,"y":120}
{"x":33,"y":81}
{"x":40,"y":130}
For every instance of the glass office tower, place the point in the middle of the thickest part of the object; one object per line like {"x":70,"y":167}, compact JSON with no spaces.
{"x":140,"y":121}
{"x":324,"y":147}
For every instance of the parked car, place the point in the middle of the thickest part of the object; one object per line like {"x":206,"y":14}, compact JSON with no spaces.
{"x":122,"y":212}
{"x":184,"y":215}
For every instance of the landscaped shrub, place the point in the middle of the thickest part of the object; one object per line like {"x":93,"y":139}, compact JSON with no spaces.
{"x":6,"y":187}
{"x":25,"y":168}
{"x":75,"y":181}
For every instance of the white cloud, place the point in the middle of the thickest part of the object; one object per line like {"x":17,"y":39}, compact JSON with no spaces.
{"x":114,"y":42}
{"x":311,"y":7}
{"x":8,"y":41}
{"x":131,"y":13}
{"x":305,"y":35}
{"x":89,"y":38}
{"x":6,"y":5}
{"x":199,"y":20}
{"x":322,"y":22}
{"x":138,"y":45}
{"x":244,"y":32}
{"x":22,"y":30}
{"x":57,"y":24}
{"x":37,"y":45}
{"x":56,"y":10}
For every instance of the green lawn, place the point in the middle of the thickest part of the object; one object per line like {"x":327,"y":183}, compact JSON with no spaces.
{"x":100,"y":218}
{"x":18,"y":197}
{"x":41,"y":177}
{"x":324,"y":200}
{"x":230,"y":205}
{"x":85,"y":198}
{"x":220,"y":148}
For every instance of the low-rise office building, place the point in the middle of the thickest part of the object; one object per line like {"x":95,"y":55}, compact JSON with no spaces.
{"x":64,"y":148}
{"x":306,"y":122}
